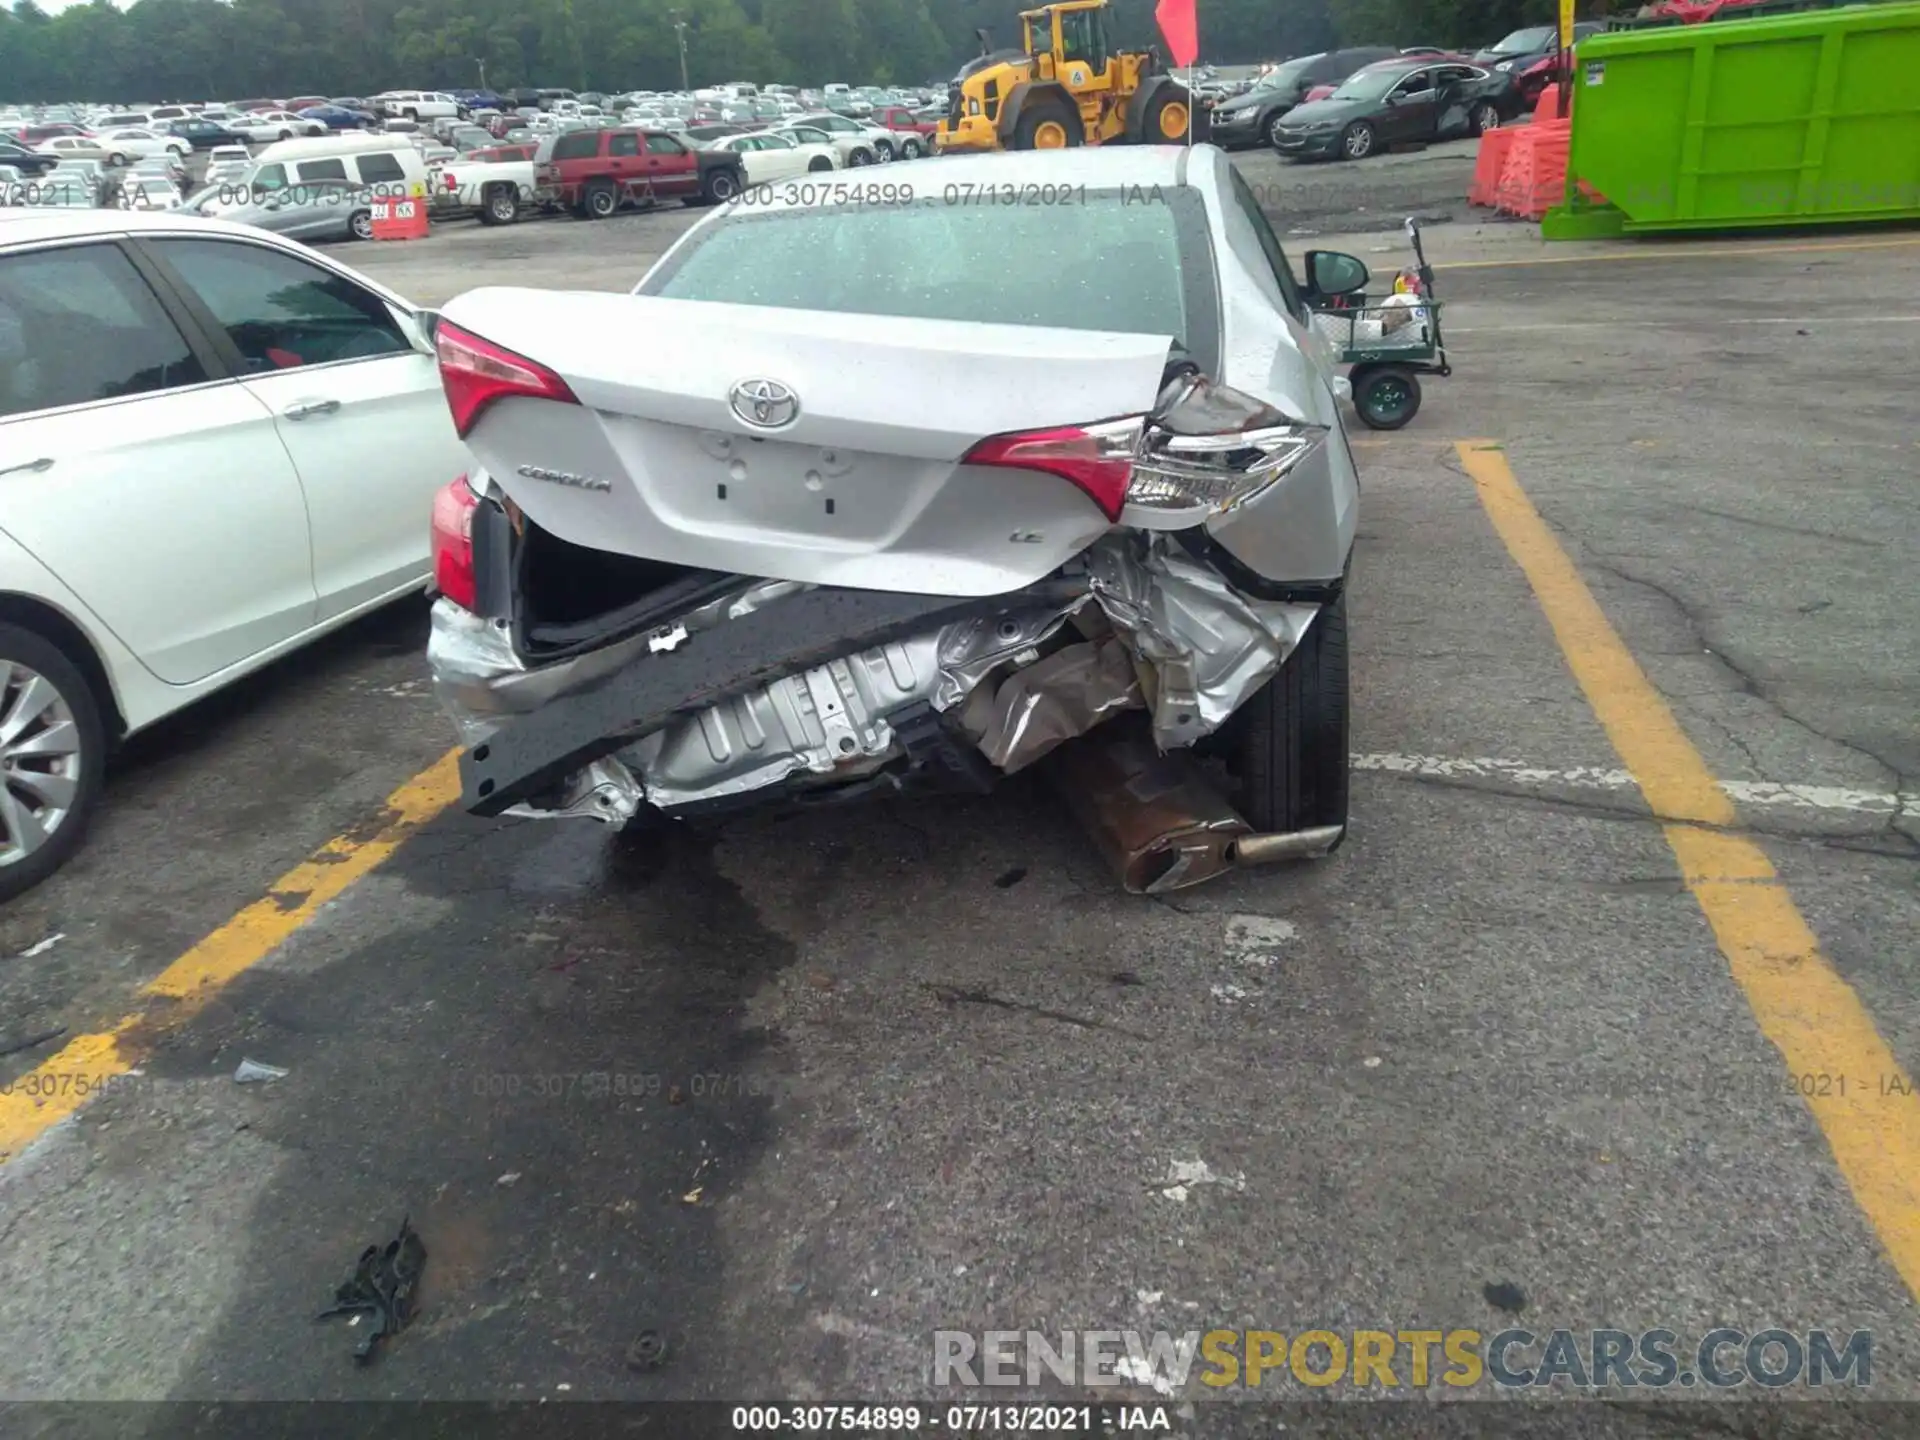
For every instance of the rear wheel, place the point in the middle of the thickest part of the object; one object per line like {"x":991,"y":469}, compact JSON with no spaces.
{"x":719,"y":187}
{"x":1356,"y":143}
{"x":599,"y":201}
{"x":1274,"y":129}
{"x":286,"y":134}
{"x":1386,"y":397}
{"x":860,"y":156}
{"x":910,"y":149}
{"x":1289,"y":742}
{"x":819,"y":162}
{"x":50,"y":760}
{"x":361,"y":224}
{"x":884,"y":149}
{"x":1485,"y":117}
{"x":1168,"y":118}
{"x":1048,"y":125}
{"x":502,"y":206}
{"x":116,"y":160}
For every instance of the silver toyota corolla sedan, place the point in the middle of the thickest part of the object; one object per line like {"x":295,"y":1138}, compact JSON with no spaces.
{"x":897,"y":484}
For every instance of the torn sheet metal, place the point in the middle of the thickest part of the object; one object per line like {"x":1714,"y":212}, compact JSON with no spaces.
{"x":1053,"y":701}
{"x":1209,"y":647}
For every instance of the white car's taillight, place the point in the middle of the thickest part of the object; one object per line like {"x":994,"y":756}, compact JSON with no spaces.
{"x":1210,"y":448}
{"x":1205,"y":449}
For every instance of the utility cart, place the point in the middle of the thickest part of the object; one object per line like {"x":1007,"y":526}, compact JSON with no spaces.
{"x":1387,"y":344}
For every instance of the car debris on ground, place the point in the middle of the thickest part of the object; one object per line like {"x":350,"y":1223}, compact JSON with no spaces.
{"x":382,"y":1289}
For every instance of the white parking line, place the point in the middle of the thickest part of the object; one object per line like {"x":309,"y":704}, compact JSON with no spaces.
{"x":1741,"y":792}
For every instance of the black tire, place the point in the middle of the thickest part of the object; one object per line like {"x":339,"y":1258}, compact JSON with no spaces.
{"x":1272,"y":127}
{"x":1386,"y":397}
{"x":1357,"y":141}
{"x":37,"y":653}
{"x":286,"y":134}
{"x":360,"y":223}
{"x":861,"y":156}
{"x":1046,"y":112}
{"x":1289,"y":742}
{"x":719,"y":187}
{"x":884,"y":149}
{"x":500,"y":205}
{"x":116,"y":162}
{"x":910,"y":149}
{"x":1150,"y":123}
{"x":1484,"y":116}
{"x":599,"y":200}
{"x":819,"y":162}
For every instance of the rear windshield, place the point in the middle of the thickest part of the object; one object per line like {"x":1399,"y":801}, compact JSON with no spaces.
{"x":941,"y":259}
{"x":1522,"y":42}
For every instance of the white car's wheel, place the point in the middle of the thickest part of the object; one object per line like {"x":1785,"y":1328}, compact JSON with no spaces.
{"x":909,"y":149}
{"x":884,"y":149}
{"x":860,"y":156}
{"x":50,"y":761}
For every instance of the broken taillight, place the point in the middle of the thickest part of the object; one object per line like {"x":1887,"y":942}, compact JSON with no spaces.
{"x":476,"y":372}
{"x":452,"y":532}
{"x":1206,"y":448}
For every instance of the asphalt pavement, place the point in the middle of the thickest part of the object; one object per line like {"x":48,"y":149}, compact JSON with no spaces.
{"x":887,"y":1071}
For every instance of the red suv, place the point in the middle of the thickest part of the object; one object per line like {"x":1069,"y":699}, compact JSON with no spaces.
{"x":595,"y":172}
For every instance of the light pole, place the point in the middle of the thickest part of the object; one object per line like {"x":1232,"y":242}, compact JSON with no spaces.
{"x":680,"y":31}
{"x":483,"y":72}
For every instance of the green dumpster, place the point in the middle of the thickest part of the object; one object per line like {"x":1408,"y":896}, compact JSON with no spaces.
{"x":1798,"y":119}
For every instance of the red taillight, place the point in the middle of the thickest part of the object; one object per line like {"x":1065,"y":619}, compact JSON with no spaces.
{"x":453,"y":507}
{"x":476,"y":372}
{"x":1097,"y":458}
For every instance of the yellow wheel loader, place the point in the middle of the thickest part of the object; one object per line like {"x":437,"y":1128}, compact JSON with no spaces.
{"x":1068,"y":87}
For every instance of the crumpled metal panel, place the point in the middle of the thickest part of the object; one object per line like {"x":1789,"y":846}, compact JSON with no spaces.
{"x":1054,"y":700}
{"x":1209,"y":647}
{"x":467,"y":657}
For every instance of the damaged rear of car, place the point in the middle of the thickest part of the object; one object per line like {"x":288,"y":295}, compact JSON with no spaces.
{"x":870,"y":498}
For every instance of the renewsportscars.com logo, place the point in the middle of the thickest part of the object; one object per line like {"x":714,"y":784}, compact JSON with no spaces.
{"x":1719,"y":1359}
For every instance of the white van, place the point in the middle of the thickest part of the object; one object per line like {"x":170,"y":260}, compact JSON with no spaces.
{"x":391,"y":164}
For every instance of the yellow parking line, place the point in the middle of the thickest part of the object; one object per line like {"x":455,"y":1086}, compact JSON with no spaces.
{"x":1872,"y":1120}
{"x":1675,"y":252}
{"x":91,"y":1063}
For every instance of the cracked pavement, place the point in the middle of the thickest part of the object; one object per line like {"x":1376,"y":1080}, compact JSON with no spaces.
{"x":914,"y":1067}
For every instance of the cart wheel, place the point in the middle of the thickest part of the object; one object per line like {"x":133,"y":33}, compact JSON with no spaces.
{"x":1387,"y":396}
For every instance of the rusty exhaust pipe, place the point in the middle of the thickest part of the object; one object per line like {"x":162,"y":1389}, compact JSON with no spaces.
{"x":1155,"y":818}
{"x":1158,"y":821}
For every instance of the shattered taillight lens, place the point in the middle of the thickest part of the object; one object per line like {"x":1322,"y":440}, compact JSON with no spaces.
{"x":1209,"y":448}
{"x":452,"y":532}
{"x":1206,"y":448}
{"x":476,"y":372}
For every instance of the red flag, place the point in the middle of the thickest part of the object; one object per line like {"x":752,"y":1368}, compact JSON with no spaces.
{"x":1178,"y":23}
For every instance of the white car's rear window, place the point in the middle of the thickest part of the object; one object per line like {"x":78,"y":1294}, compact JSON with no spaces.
{"x":1073,"y":259}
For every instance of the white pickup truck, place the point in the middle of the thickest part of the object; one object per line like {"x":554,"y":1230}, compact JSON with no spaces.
{"x":495,"y":183}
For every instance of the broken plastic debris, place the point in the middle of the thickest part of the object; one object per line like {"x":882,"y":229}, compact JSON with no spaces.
{"x":381,"y":1289}
{"x":1182,"y":1175}
{"x":41,"y":947}
{"x":692,"y":1197}
{"x":252,"y":1072}
{"x":508,"y":1178}
{"x":1372,"y":1062}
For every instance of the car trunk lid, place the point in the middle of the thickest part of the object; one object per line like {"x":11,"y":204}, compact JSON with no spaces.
{"x":667,"y":458}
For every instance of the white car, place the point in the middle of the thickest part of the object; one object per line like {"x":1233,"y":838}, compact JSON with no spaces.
{"x":73,"y":147}
{"x":769,"y":156}
{"x":265,"y":126}
{"x":188,"y":492}
{"x":852,"y":138}
{"x":138,"y":144}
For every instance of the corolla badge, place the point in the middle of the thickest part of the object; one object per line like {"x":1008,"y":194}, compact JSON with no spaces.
{"x":764,"y":404}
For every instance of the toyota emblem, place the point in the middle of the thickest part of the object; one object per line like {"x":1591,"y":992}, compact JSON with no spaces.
{"x":765,"y":404}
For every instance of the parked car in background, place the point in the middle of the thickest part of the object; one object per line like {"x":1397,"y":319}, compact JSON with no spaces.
{"x":884,"y":143}
{"x":308,"y":210}
{"x":1409,"y":101}
{"x":265,"y":126}
{"x":117,"y":399}
{"x":595,"y":172}
{"x":912,"y":128}
{"x":40,"y":134}
{"x":204,"y":134}
{"x":855,"y":147}
{"x":707,"y":134}
{"x":27,"y":162}
{"x":124,"y":145}
{"x":768,"y":156}
{"x":495,"y":183}
{"x":75,"y":147}
{"x":417,"y":105}
{"x":1251,"y":118}
{"x":339,"y":117}
{"x":1514,"y":53}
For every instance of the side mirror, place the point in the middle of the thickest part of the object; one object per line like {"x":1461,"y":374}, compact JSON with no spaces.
{"x":1331,"y":273}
